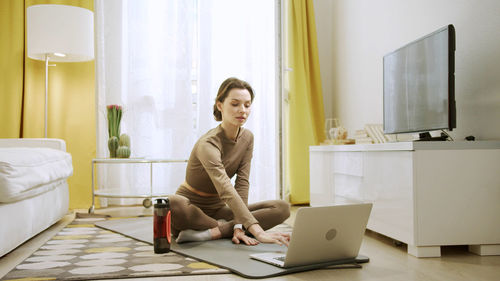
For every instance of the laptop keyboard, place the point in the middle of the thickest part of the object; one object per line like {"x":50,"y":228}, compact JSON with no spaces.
{"x":282,"y":258}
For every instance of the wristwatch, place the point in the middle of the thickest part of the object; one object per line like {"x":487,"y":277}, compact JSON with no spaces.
{"x":238,"y":226}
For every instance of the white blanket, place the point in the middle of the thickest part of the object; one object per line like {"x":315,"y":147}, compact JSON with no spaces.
{"x":23,"y":170}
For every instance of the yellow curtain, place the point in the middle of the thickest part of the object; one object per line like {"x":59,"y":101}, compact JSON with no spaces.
{"x":71,"y":108}
{"x":11,"y":67}
{"x":305,"y":116}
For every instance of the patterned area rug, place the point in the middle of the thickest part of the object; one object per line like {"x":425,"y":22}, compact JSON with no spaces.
{"x":82,"y":251}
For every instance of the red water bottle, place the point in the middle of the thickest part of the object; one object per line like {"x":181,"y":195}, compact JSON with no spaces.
{"x":161,"y":226}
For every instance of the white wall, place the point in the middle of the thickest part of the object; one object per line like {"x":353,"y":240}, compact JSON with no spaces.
{"x":354,"y":35}
{"x":323,"y":11}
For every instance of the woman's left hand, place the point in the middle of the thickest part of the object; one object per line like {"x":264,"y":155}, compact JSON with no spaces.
{"x":239,"y":235}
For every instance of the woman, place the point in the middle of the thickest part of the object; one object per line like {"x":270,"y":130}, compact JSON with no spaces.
{"x":207,"y":206}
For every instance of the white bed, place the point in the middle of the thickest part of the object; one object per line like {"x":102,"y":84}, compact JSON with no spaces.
{"x":33,"y":188}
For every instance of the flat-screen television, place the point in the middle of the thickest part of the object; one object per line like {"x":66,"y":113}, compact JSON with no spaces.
{"x":419,"y":85}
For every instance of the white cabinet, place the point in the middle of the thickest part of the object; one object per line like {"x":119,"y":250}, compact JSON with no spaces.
{"x":425,"y":194}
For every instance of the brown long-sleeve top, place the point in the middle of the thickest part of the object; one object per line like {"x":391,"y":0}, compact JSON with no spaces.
{"x":214,"y":160}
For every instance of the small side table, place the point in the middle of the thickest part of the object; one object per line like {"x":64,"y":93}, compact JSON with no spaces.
{"x":147,"y":202}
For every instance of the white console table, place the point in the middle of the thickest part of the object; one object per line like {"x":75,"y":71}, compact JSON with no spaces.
{"x":424,"y":194}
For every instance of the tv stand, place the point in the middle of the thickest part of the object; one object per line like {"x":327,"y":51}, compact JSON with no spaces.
{"x":424,"y":194}
{"x":427,"y":137}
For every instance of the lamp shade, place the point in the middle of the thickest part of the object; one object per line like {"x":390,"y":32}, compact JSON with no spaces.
{"x":60,"y":29}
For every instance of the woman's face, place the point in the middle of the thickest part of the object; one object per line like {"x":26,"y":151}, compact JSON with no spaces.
{"x":236,"y":107}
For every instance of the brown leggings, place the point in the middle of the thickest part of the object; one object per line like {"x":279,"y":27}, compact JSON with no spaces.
{"x":201,"y":213}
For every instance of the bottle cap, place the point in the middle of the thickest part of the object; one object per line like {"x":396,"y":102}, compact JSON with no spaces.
{"x":162,"y":203}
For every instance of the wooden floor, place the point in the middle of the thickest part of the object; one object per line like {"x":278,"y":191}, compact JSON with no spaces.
{"x":387,"y":261}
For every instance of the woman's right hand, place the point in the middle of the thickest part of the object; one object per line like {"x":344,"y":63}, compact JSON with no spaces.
{"x":274,"y":237}
{"x":269,"y":237}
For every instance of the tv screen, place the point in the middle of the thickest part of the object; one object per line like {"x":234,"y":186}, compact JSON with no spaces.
{"x":419,"y":81}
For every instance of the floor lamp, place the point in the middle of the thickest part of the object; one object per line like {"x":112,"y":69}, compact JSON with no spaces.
{"x":59,"y":33}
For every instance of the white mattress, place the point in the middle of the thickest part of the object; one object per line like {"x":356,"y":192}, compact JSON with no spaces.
{"x":29,"y":171}
{"x":21,"y":220}
{"x":43,"y":204}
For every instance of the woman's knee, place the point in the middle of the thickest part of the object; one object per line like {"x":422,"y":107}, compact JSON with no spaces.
{"x":283,"y":209}
{"x":178,"y":206}
{"x":181,"y":213}
{"x":177,"y":201}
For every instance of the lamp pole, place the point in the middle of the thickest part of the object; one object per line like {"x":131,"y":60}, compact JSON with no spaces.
{"x":47,"y":56}
{"x":46,"y":90}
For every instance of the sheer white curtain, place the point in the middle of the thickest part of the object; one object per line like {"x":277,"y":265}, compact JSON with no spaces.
{"x":146,"y":62}
{"x":237,"y":38}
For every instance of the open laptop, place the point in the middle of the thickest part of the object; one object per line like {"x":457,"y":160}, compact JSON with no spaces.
{"x":322,"y":235}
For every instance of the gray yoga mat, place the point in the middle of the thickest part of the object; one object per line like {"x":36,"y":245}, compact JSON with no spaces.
{"x":222,"y":252}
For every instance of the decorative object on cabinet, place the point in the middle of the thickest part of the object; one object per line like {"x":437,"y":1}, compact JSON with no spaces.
{"x":336,"y":134}
{"x":361,"y":137}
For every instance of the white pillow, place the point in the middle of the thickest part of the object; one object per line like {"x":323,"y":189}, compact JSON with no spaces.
{"x":28,"y":171}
